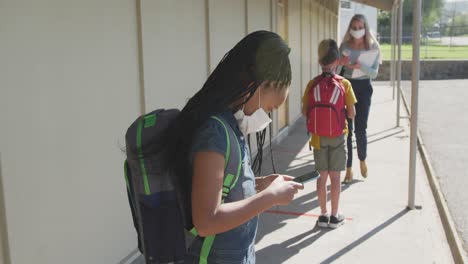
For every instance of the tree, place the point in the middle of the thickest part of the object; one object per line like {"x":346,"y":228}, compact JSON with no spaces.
{"x":431,"y":12}
{"x":460,"y":25}
{"x":383,"y":26}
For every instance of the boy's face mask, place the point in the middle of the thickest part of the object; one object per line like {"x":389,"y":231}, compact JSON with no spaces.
{"x":256,"y":122}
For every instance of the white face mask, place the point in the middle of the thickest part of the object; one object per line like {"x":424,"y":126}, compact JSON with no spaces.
{"x":357,"y":34}
{"x":256,"y":122}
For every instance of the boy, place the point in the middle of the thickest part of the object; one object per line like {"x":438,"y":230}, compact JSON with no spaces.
{"x":326,"y":101}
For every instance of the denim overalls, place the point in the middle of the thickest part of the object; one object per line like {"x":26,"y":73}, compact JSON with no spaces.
{"x":235,"y":246}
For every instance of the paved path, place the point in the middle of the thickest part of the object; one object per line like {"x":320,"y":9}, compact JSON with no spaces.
{"x":379,"y":228}
{"x":443,"y":109}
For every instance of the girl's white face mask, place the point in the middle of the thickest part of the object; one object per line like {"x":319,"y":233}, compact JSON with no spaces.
{"x":256,"y":122}
{"x":357,"y":34}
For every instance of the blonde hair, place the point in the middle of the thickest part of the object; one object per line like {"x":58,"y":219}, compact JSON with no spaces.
{"x":370,"y":41}
{"x":328,"y":52}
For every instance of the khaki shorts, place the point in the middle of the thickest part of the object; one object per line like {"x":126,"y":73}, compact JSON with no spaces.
{"x":332,"y":154}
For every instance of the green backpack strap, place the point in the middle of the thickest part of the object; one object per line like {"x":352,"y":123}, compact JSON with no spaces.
{"x":232,"y":159}
{"x":232,"y":168}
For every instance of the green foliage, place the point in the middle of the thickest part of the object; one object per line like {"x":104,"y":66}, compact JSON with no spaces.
{"x":431,"y":13}
{"x":460,"y":25}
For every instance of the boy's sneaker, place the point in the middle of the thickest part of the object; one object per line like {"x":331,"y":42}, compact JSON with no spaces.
{"x":323,"y":221}
{"x":336,"y":221}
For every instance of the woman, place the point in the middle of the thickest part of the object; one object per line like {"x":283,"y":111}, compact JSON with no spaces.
{"x":358,"y":39}
{"x":251,"y":79}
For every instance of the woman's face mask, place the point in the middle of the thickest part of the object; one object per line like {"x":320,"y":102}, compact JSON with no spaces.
{"x":357,"y":34}
{"x":357,"y":29}
{"x":256,"y":122}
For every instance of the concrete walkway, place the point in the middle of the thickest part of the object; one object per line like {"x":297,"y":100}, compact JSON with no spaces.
{"x":379,"y":229}
{"x":442,"y":123}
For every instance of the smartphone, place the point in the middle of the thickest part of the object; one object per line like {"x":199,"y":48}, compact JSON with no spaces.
{"x":307,"y":177}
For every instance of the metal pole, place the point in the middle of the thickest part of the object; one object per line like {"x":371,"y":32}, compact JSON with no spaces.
{"x":142,"y":112}
{"x":414,"y":103}
{"x":395,"y":20}
{"x":426,"y":45}
{"x":4,"y":246}
{"x":392,"y":50}
{"x":141,"y":67}
{"x":398,"y":73}
{"x":453,"y":23}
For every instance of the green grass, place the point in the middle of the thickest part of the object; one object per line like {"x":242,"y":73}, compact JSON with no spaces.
{"x":428,"y":52}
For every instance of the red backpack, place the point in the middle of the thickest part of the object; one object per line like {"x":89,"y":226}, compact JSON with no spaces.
{"x":326,"y":106}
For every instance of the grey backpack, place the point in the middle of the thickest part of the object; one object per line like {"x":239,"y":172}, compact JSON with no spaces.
{"x":161,"y":211}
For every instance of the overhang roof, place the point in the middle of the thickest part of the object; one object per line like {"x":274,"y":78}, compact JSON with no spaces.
{"x":380,"y":4}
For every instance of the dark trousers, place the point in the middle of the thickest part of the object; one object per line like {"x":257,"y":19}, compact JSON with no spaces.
{"x":363,"y":91}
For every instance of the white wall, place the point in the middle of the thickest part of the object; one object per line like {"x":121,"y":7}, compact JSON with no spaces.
{"x":174,"y":50}
{"x":331,"y":25}
{"x":327,"y":23}
{"x":227,"y":27}
{"x":69,"y":88}
{"x":294,"y":39}
{"x":315,"y":38}
{"x":306,"y":45}
{"x":258,"y":18}
{"x":4,"y":251}
{"x":259,"y":15}
{"x":323,"y":23}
